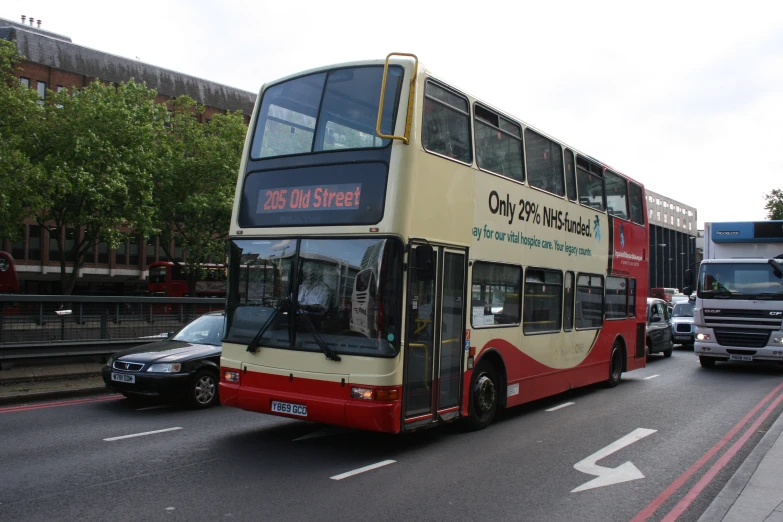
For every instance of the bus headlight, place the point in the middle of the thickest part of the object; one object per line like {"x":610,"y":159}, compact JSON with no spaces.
{"x":361,"y":393}
{"x":703,"y":337}
{"x":231,"y":376}
{"x":165,"y":368}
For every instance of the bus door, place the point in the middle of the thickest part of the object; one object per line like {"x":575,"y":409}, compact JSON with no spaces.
{"x":435,"y":329}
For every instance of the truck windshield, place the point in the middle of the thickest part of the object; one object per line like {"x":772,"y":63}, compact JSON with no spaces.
{"x":740,"y":280}
{"x":331,"y":110}
{"x":346,"y":294}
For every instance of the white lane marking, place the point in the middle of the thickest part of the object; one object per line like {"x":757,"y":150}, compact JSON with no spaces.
{"x":158,"y":407}
{"x":651,"y":377}
{"x":323,"y":433}
{"x":564,"y":405}
{"x":362,"y":470}
{"x":609,"y":476}
{"x":140,"y":434}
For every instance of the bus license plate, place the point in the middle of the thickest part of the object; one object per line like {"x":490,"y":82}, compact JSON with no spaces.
{"x":121,"y":377}
{"x":740,"y":357}
{"x":291,"y":409}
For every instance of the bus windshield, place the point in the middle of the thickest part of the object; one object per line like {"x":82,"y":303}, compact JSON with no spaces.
{"x":741,"y":280}
{"x":326,"y":111}
{"x":158,"y":274}
{"x":345,"y":292}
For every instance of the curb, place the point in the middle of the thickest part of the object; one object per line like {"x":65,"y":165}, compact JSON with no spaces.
{"x":61,"y":393}
{"x":720,"y":507}
{"x":49,"y":378}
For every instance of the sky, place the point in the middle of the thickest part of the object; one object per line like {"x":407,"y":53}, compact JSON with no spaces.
{"x":684,"y":96}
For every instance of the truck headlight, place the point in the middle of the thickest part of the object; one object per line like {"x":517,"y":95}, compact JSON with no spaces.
{"x":703,"y":337}
{"x":778,"y":340}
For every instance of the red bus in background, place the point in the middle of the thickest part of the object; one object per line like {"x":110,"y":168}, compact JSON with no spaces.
{"x":167,"y":279}
{"x":9,"y":284}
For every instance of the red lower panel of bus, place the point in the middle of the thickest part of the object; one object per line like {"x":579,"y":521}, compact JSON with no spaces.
{"x":326,"y":402}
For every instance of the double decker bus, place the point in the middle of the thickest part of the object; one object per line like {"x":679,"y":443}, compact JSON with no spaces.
{"x":9,"y":284}
{"x":505,"y":265}
{"x":168,"y":279}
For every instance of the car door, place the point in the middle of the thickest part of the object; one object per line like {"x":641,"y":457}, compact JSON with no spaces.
{"x":655,"y":326}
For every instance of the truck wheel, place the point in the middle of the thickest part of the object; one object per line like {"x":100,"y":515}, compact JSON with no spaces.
{"x":706,"y":362}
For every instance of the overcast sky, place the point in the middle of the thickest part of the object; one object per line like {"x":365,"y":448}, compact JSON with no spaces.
{"x":684,"y":96}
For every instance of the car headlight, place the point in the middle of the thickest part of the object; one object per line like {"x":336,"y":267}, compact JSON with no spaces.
{"x":110,"y":362}
{"x":165,"y":368}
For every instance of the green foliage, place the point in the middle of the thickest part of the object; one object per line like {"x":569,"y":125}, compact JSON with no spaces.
{"x":194,"y":193}
{"x":774,"y":205}
{"x":19,"y":117}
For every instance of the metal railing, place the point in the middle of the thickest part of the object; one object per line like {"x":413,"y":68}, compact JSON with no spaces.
{"x":34,"y":326}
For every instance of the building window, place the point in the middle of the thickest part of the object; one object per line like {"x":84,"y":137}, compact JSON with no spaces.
{"x":41,"y":88}
{"x":17,"y":248}
{"x":54,"y":246}
{"x":25,"y":82}
{"x":446,"y":123}
{"x":543,"y":301}
{"x":34,"y":243}
{"x":495,"y":294}
{"x":544,"y":163}
{"x":134,"y":246}
{"x":152,"y":250}
{"x":568,"y":302}
{"x":60,"y":88}
{"x":103,"y":252}
{"x":498,"y":144}
{"x":179,"y":250}
{"x":121,"y":254}
{"x":89,"y":254}
{"x":71,"y":239}
{"x":589,"y":301}
{"x":616,"y":297}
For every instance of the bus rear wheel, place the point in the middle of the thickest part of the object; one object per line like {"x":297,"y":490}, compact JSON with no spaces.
{"x":615,"y":366}
{"x":484,"y":395}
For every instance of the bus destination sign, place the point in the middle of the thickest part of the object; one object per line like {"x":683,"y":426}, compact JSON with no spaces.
{"x":345,"y":196}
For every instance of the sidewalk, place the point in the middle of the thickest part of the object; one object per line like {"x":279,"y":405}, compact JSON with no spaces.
{"x":755,"y":492}
{"x":27,"y":383}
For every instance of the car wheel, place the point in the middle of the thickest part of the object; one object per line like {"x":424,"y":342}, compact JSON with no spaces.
{"x":615,"y":366}
{"x":203,"y":389}
{"x":484,"y":396}
{"x":648,"y":349}
{"x":668,"y":353}
{"x":706,"y":362}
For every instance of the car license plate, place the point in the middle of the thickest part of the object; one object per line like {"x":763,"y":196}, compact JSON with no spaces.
{"x":682,"y":337}
{"x":740,"y":357}
{"x":291,"y":409}
{"x":121,"y":377}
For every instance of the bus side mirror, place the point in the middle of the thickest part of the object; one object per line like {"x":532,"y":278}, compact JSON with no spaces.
{"x":424,"y":261}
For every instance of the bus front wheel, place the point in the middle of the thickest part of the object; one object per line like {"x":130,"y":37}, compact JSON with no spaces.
{"x":615,"y":366}
{"x":484,"y":395}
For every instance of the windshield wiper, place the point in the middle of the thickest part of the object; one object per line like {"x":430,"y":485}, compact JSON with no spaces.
{"x":721,"y":294}
{"x":768,"y":295}
{"x":777,"y":268}
{"x":317,"y":336}
{"x":253,"y":346}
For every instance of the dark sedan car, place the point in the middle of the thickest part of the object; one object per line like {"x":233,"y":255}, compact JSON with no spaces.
{"x":184,"y":366}
{"x":659,"y":330}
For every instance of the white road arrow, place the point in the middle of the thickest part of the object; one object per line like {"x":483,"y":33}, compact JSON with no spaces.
{"x":609,"y":476}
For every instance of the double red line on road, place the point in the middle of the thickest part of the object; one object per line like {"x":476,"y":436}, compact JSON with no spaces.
{"x":43,"y":405}
{"x":691,"y":495}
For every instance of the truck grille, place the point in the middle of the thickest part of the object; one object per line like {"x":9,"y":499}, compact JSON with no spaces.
{"x":683,"y":328}
{"x":742,"y":338}
{"x":742,"y":318}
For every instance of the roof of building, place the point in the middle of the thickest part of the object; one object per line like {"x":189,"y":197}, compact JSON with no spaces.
{"x":58,"y":51}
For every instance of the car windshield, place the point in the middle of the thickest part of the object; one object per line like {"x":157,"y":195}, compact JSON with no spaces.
{"x":207,"y":329}
{"x":683,"y":310}
{"x":345,"y":293}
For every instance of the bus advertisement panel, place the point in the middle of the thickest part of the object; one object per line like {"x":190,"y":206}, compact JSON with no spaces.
{"x":426,"y":257}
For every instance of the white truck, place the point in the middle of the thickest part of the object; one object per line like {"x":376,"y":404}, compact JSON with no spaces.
{"x":738,"y":313}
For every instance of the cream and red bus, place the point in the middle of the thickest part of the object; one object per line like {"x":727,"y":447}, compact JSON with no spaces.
{"x":505,"y":264}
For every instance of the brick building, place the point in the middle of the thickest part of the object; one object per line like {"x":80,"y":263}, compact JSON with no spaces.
{"x":54,"y":62}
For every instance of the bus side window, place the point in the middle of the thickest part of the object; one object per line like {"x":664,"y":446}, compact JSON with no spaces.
{"x":544,"y":163}
{"x":446,"y":123}
{"x":498,"y":144}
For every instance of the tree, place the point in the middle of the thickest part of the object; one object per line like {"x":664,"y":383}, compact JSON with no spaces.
{"x":774,"y":204}
{"x":19,"y":116}
{"x":96,"y":153}
{"x":194,"y":194}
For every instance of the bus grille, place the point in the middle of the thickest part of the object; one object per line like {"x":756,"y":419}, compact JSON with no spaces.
{"x":742,"y":338}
